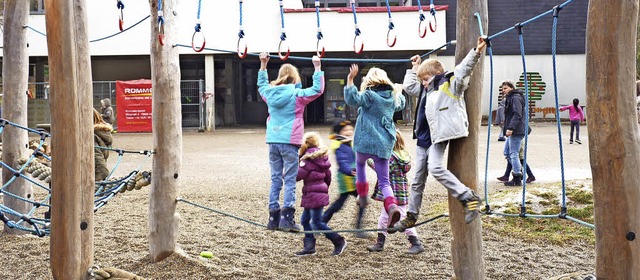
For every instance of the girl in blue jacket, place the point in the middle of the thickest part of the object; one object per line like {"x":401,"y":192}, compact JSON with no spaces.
{"x":375,"y":133}
{"x":286,"y":101}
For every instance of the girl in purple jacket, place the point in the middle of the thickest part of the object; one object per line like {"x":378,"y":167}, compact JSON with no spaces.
{"x":315,"y":172}
{"x":576,"y":116}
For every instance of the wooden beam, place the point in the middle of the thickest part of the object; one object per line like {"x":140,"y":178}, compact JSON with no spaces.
{"x":72,"y":139}
{"x":614,"y":142}
{"x":167,"y":135}
{"x":466,"y":245}
{"x":15,"y":67}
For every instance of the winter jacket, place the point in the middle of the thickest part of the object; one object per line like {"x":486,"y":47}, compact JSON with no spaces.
{"x":574,"y":115}
{"x":286,"y":104}
{"x":375,"y":131}
{"x":399,"y":166}
{"x":514,"y":113}
{"x":413,"y":87}
{"x":102,"y":138}
{"x":315,"y":172}
{"x":346,"y":159}
{"x":499,"y":120}
{"x":107,"y":111}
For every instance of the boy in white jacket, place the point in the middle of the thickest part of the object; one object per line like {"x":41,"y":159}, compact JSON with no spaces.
{"x":441,"y":115}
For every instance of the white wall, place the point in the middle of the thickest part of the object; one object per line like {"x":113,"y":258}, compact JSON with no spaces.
{"x":261,"y":20}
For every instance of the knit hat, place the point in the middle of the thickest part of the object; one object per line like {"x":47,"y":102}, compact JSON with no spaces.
{"x":339,"y":125}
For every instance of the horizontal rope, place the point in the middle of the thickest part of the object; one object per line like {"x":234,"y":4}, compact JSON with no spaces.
{"x":99,"y":39}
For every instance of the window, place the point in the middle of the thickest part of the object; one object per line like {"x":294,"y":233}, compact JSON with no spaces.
{"x":37,"y":7}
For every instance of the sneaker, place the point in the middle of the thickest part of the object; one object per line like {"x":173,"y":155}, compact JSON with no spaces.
{"x":531,"y":179}
{"x":471,"y":207}
{"x":340,"y":244}
{"x":408,"y":222}
{"x":578,"y":141}
{"x":503,"y":178}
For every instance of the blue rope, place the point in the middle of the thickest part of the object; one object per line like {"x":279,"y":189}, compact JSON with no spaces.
{"x":92,"y":41}
{"x":160,"y":13}
{"x":420,"y":12}
{"x":283,"y":35}
{"x":319,"y":35}
{"x":555,"y":89}
{"x":391,"y":26}
{"x":486,"y":161}
{"x":241,"y":32}
{"x":355,"y":18}
{"x":198,"y":26}
{"x":526,"y":117}
{"x":549,"y":12}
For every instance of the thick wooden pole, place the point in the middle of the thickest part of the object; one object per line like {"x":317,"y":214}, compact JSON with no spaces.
{"x":614,"y":143}
{"x":466,"y":245}
{"x":15,"y":69}
{"x":167,"y":136}
{"x":72,"y":139}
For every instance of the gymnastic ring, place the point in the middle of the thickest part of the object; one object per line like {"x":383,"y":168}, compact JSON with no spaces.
{"x":355,"y":49}
{"x":161,"y":33}
{"x":422,"y":30}
{"x":120,"y":23}
{"x":283,"y":57}
{"x":241,"y":54}
{"x":204,"y":42}
{"x":433,"y":24}
{"x":395,"y":38}
{"x":320,"y":49}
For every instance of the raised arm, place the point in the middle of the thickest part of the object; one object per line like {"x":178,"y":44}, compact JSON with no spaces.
{"x":463,"y":70}
{"x":263,"y":76}
{"x":351,"y":95}
{"x":411,"y":83}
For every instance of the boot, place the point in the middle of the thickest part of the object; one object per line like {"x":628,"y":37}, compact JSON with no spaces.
{"x":379,"y":246}
{"x":287,"y":222}
{"x":416,"y":246}
{"x":516,"y":181}
{"x":309,"y":247}
{"x":390,"y":205}
{"x":274,"y":219}
{"x":408,"y":222}
{"x":504,"y":178}
{"x":363,"y":193}
{"x":471,"y":207}
{"x":339,"y":244}
{"x":531,"y":179}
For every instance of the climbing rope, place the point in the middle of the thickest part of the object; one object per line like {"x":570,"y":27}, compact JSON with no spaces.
{"x":357,"y":30}
{"x":242,"y":44}
{"x":95,"y":40}
{"x":283,"y":35}
{"x":391,"y":26}
{"x":160,"y":23}
{"x":198,"y":28}
{"x":433,"y":23}
{"x":120,"y":6}
{"x":319,"y":36}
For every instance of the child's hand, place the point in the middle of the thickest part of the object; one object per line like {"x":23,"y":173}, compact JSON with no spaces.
{"x":316,"y":62}
{"x":415,"y":62}
{"x":353,"y":72}
{"x":264,"y":59}
{"x":482,"y":44}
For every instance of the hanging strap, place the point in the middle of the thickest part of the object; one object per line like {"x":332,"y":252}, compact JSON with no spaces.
{"x":433,"y":23}
{"x":422,"y":31}
{"x":160,"y":24}
{"x":390,"y":32}
{"x":283,"y":36}
{"x":120,"y":6}
{"x":198,"y":28}
{"x":319,"y":36}
{"x":356,"y":38}
{"x":241,"y":48}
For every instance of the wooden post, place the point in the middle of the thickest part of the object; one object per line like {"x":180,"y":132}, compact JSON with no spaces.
{"x":15,"y":67}
{"x":466,"y":245}
{"x":72,"y":139}
{"x":167,"y":135}
{"x":614,"y":143}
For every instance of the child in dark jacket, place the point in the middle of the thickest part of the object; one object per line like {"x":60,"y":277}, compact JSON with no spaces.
{"x":315,"y":172}
{"x":341,"y":145}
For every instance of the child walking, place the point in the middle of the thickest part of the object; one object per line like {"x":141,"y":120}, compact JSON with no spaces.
{"x":375,"y":132}
{"x":576,"y":116}
{"x":315,"y":172}
{"x":399,"y":166}
{"x":285,"y":125}
{"x":341,"y":145}
{"x":441,"y":115}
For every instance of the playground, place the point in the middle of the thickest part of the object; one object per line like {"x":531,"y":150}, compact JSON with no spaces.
{"x":228,"y":170}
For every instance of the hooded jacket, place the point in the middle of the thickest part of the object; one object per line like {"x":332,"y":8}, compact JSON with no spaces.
{"x":102,"y":138}
{"x":315,"y":172}
{"x":514,"y":113}
{"x":286,"y":104}
{"x":399,"y":166}
{"x":346,"y":159}
{"x":375,"y":131}
{"x":107,"y":111}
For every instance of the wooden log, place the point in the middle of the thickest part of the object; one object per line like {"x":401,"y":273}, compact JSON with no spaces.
{"x":466,"y":244}
{"x":72,"y":138}
{"x":614,"y":142}
{"x":167,"y":136}
{"x":15,"y":68}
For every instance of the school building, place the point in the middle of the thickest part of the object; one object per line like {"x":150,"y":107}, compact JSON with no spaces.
{"x":231,"y":80}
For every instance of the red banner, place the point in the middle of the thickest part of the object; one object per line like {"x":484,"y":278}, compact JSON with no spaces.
{"x":133,"y":100}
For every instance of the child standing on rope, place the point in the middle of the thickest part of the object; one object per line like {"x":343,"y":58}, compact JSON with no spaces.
{"x":399,"y":166}
{"x":375,"y":133}
{"x":286,"y":101}
{"x":576,"y":116}
{"x":315,"y":171}
{"x":441,"y":115}
{"x":341,"y":145}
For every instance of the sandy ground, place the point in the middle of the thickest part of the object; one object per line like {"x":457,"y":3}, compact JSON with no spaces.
{"x":228,"y":170}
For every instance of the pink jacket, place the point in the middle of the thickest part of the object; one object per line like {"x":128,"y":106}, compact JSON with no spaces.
{"x":573,"y":113}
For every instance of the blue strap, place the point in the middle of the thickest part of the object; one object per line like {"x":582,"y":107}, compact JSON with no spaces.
{"x":241,"y":32}
{"x":160,"y":13}
{"x":420,"y":12}
{"x":319,"y":35}
{"x":283,"y":35}
{"x":198,"y":27}
{"x":391,"y":26}
{"x":355,"y":18}
{"x":432,"y":8}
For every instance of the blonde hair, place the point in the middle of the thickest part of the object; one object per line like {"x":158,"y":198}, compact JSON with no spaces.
{"x":399,"y":145}
{"x":430,"y":67}
{"x":288,"y":74}
{"x":377,"y":76}
{"x":310,"y":140}
{"x":97,"y":117}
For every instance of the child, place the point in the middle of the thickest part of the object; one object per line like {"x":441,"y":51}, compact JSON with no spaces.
{"x":440,"y":116}
{"x":375,"y":132}
{"x":341,"y":145}
{"x":576,"y":116}
{"x":316,"y":173}
{"x":285,"y":126}
{"x":107,"y":111}
{"x":101,"y":138}
{"x":399,"y":166}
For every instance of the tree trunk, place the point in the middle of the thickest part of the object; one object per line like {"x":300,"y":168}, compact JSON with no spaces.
{"x":72,"y":139}
{"x":466,"y":245}
{"x":614,"y":147}
{"x":15,"y":67}
{"x":167,"y":136}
